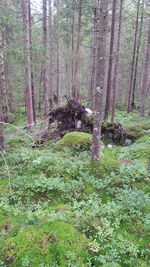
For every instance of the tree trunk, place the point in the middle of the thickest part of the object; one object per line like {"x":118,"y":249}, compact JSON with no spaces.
{"x":100,"y":77}
{"x":27,"y":56}
{"x":133,"y":60}
{"x":2,"y":145}
{"x":116,"y":64}
{"x":31,"y":60}
{"x":75,"y":91}
{"x":137,"y":59}
{"x":58,"y":79}
{"x":93,"y":72}
{"x":109,"y":82}
{"x":44,"y":41}
{"x":72,"y":47}
{"x":145,"y":80}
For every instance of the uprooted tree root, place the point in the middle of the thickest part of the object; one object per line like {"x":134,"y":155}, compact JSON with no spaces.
{"x":75,"y":117}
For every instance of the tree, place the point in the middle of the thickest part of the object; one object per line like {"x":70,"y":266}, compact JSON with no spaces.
{"x":146,"y":71}
{"x":75,"y":91}
{"x":27,"y":58}
{"x":114,"y":84}
{"x":110,"y":64}
{"x":2,"y":145}
{"x":100,"y":77}
{"x":130,"y":97}
{"x":58,"y":79}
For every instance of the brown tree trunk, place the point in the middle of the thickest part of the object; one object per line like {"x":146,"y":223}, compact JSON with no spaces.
{"x":145,"y":80}
{"x":109,"y":82}
{"x":44,"y":41}
{"x":58,"y":79}
{"x":93,"y":72}
{"x":31,"y":60}
{"x":2,"y":145}
{"x":75,"y":91}
{"x":100,"y":77}
{"x":27,"y":56}
{"x":137,"y":59}
{"x":114,"y":85}
{"x":72,"y":48}
{"x":133,"y":60}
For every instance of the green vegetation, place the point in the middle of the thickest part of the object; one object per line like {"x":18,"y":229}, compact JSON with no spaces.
{"x":75,"y":140}
{"x":57,"y":209}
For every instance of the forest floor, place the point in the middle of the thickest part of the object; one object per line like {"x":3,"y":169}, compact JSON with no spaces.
{"x":57,"y":209}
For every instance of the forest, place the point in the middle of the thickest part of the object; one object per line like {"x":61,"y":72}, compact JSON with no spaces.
{"x":74,"y":133}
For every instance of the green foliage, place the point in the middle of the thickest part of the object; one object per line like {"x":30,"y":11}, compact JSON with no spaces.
{"x":75,"y":139}
{"x":51,"y":243}
{"x":104,"y":167}
{"x":65,"y":211}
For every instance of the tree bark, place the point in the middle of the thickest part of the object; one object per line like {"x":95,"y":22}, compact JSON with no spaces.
{"x":133,"y":60}
{"x":109,"y":82}
{"x":2,"y":145}
{"x":137,"y":59}
{"x":93,"y":72}
{"x":31,"y":60}
{"x":115,"y":78}
{"x":100,"y":77}
{"x":27,"y":57}
{"x":58,"y":79}
{"x":75,"y":91}
{"x":145,"y":80}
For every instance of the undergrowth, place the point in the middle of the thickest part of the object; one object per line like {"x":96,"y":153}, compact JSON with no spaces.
{"x":64,"y":211}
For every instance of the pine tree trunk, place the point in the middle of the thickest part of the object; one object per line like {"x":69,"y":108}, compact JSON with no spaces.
{"x":75,"y":91}
{"x":27,"y":56}
{"x":100,"y":78}
{"x":137,"y":59}
{"x":58,"y":79}
{"x":44,"y":42}
{"x":31,"y":60}
{"x":145,"y":80}
{"x":109,"y":82}
{"x":133,"y":60}
{"x":2,"y":145}
{"x":115,"y":78}
{"x":92,"y":83}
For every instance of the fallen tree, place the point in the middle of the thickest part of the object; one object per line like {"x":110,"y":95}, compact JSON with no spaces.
{"x":75,"y":117}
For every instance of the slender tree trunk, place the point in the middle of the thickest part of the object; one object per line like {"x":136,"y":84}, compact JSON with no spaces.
{"x":92,"y":83}
{"x":116,"y":64}
{"x":2,"y":145}
{"x":31,"y":60}
{"x":145,"y":80}
{"x":44,"y":41}
{"x":77,"y":53}
{"x":109,"y":82}
{"x":29,"y":101}
{"x":72,"y":47}
{"x":100,"y":78}
{"x":133,"y":60}
{"x":58,"y":79}
{"x":137,"y":59}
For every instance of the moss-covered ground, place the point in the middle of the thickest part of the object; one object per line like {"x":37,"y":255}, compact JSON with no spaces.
{"x":58,"y":209}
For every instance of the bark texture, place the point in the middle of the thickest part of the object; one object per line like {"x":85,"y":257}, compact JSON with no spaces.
{"x":115,"y":78}
{"x":100,"y":76}
{"x":110,"y":64}
{"x":27,"y":57}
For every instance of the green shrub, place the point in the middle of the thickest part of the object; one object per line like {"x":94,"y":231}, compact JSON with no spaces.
{"x":75,"y":139}
{"x":104,"y":167}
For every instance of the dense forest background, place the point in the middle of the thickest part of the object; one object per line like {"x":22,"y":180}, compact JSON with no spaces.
{"x":62,"y":46}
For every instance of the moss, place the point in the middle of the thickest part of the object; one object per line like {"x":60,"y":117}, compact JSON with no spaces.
{"x":3,"y":186}
{"x":104,"y":167}
{"x":52,"y":243}
{"x":75,"y":139}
